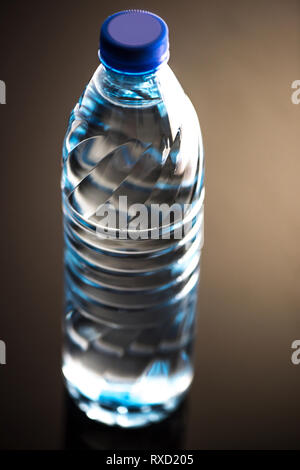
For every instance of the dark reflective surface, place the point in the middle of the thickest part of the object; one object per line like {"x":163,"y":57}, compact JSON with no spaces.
{"x":237,"y":61}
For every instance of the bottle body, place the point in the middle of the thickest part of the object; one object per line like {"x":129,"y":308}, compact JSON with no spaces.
{"x":134,"y":147}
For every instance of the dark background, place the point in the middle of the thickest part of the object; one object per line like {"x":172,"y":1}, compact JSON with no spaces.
{"x":236,"y":60}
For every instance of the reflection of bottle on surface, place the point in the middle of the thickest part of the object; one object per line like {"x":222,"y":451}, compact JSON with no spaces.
{"x":131,"y":289}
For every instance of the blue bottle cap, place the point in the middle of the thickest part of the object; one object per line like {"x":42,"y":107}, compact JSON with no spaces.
{"x":134,"y":41}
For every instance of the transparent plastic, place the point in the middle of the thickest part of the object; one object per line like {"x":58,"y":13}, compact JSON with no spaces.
{"x":130,"y":307}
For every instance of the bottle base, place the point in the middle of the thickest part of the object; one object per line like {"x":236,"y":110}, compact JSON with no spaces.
{"x":123,"y":416}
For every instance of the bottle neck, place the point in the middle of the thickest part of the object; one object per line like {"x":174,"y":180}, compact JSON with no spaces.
{"x":130,"y":89}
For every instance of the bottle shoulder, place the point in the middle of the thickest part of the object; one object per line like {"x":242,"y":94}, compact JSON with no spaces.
{"x":150,"y":153}
{"x":129,"y":107}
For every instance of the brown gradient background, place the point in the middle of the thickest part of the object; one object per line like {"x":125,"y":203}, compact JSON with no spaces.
{"x":236,"y":60}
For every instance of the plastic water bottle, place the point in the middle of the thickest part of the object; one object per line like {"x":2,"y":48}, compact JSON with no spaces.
{"x":133,"y":147}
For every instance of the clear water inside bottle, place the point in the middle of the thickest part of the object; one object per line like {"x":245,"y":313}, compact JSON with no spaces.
{"x":130,"y":307}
